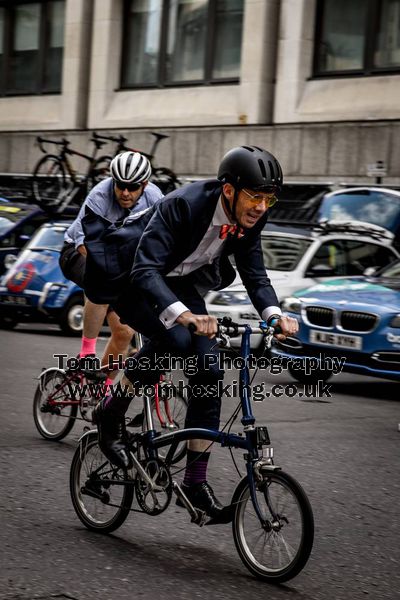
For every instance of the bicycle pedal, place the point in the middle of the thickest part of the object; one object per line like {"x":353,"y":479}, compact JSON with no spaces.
{"x":200,"y":518}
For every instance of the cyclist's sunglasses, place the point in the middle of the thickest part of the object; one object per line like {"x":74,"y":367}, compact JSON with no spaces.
{"x":269,"y":199}
{"x":131,"y":187}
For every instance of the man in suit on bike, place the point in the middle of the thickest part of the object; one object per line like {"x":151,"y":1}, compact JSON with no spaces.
{"x":183,"y":253}
{"x":127,"y":191}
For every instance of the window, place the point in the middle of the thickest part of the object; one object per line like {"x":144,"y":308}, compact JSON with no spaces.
{"x":357,"y":37}
{"x":361,"y":255}
{"x":31,"y":46}
{"x":283,"y":253}
{"x":350,"y":257}
{"x":370,"y":206}
{"x":180,"y":42}
{"x":330,"y":254}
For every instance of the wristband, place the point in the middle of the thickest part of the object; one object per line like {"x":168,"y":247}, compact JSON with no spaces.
{"x":273,"y":320}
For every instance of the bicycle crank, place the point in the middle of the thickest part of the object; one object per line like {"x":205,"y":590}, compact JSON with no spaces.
{"x":153,"y":486}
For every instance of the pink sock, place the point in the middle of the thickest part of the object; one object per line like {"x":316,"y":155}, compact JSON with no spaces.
{"x":88,"y":346}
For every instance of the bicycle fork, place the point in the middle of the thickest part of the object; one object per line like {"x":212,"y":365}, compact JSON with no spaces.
{"x":255,"y":472}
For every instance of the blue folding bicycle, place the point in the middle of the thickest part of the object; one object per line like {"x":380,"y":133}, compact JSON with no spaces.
{"x":272,"y":519}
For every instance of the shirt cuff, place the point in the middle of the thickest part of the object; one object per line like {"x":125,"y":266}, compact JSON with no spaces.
{"x":269,"y":311}
{"x":79,"y":242}
{"x":171,"y":313}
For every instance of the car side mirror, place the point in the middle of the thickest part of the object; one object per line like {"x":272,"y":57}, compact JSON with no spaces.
{"x":320,"y":270}
{"x":9,"y":260}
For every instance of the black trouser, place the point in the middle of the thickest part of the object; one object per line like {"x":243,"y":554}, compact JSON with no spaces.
{"x":203,"y":408}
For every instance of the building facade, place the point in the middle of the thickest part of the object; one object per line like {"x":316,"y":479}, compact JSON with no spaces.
{"x":315,"y":81}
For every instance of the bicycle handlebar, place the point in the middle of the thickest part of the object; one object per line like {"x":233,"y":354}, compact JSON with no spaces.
{"x":110,"y":138}
{"x":41,"y":140}
{"x":228,"y":328}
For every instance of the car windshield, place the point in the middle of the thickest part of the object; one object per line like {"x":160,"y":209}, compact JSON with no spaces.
{"x":392,"y":270}
{"x":281,"y":252}
{"x":9,"y":215}
{"x":49,"y":238}
{"x":378,"y":208}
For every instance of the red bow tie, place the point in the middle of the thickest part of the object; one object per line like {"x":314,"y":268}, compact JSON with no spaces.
{"x":233,"y":230}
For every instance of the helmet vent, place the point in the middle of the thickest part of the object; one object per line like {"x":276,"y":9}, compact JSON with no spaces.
{"x":272,"y":171}
{"x":262,"y":168}
{"x":249,"y":148}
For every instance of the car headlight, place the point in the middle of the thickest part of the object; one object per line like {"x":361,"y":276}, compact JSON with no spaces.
{"x":228,"y":298}
{"x":395,"y":322}
{"x":291,"y":304}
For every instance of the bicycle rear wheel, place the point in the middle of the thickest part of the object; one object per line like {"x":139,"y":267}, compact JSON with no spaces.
{"x":277,"y":550}
{"x":53,"y":418}
{"x":49,"y":181}
{"x":100,"y":499}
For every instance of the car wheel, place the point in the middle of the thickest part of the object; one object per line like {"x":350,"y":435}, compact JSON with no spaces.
{"x":71,"y":321}
{"x":8,"y":322}
{"x":309,"y":378}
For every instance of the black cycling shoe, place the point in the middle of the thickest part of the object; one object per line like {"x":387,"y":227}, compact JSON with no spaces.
{"x":201,"y":495}
{"x":113,"y":439}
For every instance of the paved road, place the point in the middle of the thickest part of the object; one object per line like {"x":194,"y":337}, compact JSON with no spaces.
{"x":344,"y":450}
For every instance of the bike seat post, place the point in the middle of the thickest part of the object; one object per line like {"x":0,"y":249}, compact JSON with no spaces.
{"x":157,"y":139}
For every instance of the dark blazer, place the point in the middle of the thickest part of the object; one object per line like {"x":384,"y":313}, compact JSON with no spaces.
{"x":163,"y":237}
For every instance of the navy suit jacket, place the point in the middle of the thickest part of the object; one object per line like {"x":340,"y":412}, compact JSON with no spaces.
{"x":163,"y":237}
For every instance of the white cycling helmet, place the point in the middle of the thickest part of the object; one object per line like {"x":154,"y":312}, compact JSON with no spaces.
{"x":130,"y":167}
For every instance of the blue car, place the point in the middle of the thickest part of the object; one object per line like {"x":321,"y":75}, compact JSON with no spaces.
{"x":34,"y":288}
{"x":350,"y":324}
{"x":18,"y":222}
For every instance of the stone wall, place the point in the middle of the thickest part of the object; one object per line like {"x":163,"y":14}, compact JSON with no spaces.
{"x":323,"y":151}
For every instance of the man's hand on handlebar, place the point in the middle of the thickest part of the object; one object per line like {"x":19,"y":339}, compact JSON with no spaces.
{"x":204,"y":324}
{"x":288,"y":326}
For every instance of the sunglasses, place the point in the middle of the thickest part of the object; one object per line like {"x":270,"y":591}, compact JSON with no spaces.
{"x":269,"y":199}
{"x":131,"y":187}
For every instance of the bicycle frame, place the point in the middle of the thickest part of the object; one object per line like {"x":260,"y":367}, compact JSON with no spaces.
{"x":65,"y":151}
{"x":152,"y":440}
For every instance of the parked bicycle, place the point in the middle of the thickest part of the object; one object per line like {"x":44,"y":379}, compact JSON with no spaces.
{"x":271,"y":516}
{"x":163,"y":177}
{"x":55,"y":182}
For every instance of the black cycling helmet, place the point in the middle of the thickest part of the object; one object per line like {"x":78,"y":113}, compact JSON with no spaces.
{"x":251,"y":167}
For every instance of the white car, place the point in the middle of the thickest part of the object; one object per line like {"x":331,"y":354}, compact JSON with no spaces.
{"x":296,"y":258}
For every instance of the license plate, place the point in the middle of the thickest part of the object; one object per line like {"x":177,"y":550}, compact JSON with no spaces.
{"x":19,"y":300}
{"x":352,"y":342}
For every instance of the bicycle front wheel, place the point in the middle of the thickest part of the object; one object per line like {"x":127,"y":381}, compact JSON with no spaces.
{"x":99,"y":495}
{"x":48,"y":181}
{"x":277,"y":549}
{"x":53,"y":413}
